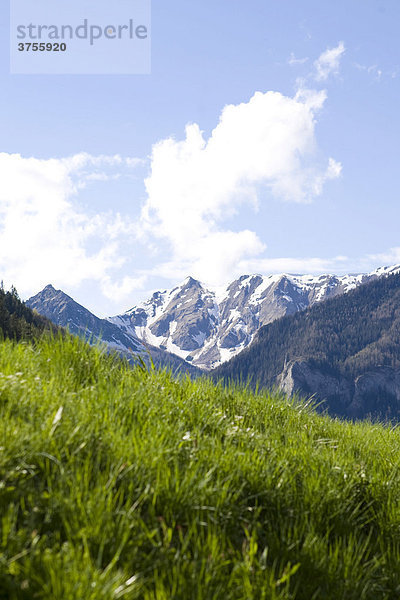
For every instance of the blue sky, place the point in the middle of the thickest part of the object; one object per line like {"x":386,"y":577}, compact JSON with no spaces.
{"x":107,"y":195}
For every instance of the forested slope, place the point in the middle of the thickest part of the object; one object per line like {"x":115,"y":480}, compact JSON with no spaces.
{"x":343,"y":338}
{"x":17,"y":321}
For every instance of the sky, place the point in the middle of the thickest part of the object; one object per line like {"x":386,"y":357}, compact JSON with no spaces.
{"x":264,"y":140}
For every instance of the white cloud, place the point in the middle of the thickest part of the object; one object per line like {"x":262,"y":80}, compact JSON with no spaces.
{"x":122,"y":290}
{"x":293,"y":61}
{"x":213,"y":258}
{"x":329,"y":62}
{"x":44,"y":236}
{"x":262,"y":148}
{"x":311,"y":265}
{"x":373,"y":70}
{"x":391,"y":257}
{"x":196,"y":184}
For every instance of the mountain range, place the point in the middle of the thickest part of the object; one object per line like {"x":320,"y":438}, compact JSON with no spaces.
{"x":207,"y":328}
{"x":345,"y":352}
{"x":62,"y":310}
{"x":193,"y":326}
{"x":284,"y":330}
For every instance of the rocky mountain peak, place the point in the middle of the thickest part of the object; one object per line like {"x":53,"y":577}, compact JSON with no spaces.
{"x":62,"y":310}
{"x":207,"y":329}
{"x":190,"y":282}
{"x":49,"y":288}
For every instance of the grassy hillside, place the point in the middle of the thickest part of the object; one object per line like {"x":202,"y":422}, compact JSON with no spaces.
{"x":120,"y":483}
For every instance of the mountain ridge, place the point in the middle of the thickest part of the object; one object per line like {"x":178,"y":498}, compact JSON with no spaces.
{"x":345,"y":352}
{"x":200,"y":327}
{"x":64,"y":311}
{"x":207,"y":328}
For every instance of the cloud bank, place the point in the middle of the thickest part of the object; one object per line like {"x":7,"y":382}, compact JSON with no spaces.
{"x":44,"y":236}
{"x":197,"y":190}
{"x":264,"y":147}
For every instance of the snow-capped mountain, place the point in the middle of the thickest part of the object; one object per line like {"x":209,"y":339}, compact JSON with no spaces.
{"x":179,"y":321}
{"x":206,"y":328}
{"x":62,"y":310}
{"x":191,"y":326}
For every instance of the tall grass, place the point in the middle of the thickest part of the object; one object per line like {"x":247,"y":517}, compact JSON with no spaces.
{"x":123,"y":483}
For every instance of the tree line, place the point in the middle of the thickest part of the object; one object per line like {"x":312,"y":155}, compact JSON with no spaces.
{"x":17,"y":321}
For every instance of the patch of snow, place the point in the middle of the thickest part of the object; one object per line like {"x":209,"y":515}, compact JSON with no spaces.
{"x":212,"y":341}
{"x":219,"y":293}
{"x":174,"y":349}
{"x":144,"y":334}
{"x":234,"y":315}
{"x":266,"y":283}
{"x":228,"y":353}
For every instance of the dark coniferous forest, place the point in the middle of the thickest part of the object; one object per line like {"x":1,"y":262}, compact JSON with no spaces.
{"x":347,"y":335}
{"x":17,"y":321}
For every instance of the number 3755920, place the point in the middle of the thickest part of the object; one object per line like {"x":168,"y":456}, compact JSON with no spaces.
{"x":42,"y":47}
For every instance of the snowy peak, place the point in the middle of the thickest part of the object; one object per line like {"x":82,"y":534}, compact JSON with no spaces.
{"x":190,"y":282}
{"x":179,"y":320}
{"x":203,"y":327}
{"x":207,"y":328}
{"x":385,"y":271}
{"x":62,"y":310}
{"x":188,"y":318}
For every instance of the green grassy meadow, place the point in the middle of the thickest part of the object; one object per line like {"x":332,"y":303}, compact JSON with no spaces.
{"x":122,"y":483}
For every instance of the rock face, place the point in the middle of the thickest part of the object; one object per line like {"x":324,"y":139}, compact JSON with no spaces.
{"x":207,"y":328}
{"x":302,"y":379}
{"x":376,"y":392}
{"x":62,"y":310}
